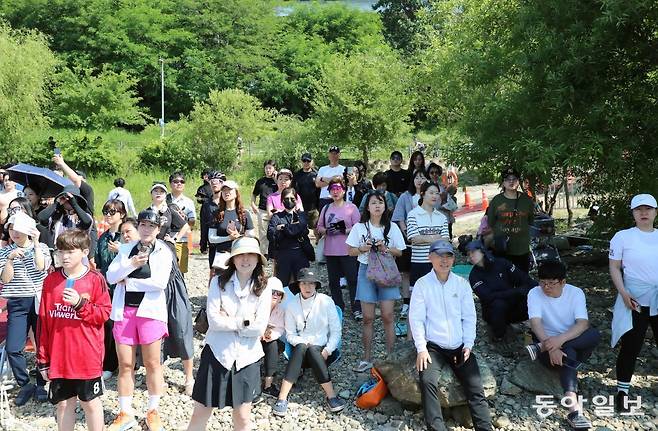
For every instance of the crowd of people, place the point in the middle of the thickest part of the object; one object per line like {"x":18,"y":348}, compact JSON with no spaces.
{"x":100,"y":305}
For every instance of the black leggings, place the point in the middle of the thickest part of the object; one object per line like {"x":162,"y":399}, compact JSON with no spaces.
{"x":632,"y":342}
{"x":349,"y":266}
{"x":304,"y":356}
{"x":271,"y":359}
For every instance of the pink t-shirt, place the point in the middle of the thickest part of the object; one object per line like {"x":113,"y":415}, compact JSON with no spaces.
{"x":334,"y":245}
{"x":274,"y":201}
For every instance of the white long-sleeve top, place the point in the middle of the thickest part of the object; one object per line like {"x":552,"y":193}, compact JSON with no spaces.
{"x":124,"y":196}
{"x":154,"y":303}
{"x":229,"y":339}
{"x":322,"y":326}
{"x":442,"y":313}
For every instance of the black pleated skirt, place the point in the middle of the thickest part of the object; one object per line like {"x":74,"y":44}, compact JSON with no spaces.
{"x":215,"y":386}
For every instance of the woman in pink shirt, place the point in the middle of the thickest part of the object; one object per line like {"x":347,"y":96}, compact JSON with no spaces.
{"x":336,"y":221}
{"x":274,"y":202}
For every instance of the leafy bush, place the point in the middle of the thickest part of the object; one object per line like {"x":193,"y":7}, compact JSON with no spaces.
{"x":91,"y":156}
{"x":96,"y":102}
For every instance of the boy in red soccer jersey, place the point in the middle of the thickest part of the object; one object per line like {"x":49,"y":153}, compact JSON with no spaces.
{"x":75,"y":303}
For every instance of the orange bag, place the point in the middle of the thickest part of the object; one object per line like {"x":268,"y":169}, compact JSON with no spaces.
{"x":371,"y":393}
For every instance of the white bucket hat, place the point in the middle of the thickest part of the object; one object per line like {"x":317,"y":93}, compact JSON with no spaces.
{"x":23,"y":223}
{"x":245,"y":245}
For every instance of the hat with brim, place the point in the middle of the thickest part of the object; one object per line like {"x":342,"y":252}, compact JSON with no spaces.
{"x":442,"y":246}
{"x":306,"y":275}
{"x":230,"y":184}
{"x":23,"y":223}
{"x":246,"y":245}
{"x":643,"y":199}
{"x":276,"y":285}
{"x":475,"y":245}
{"x":284,"y":172}
{"x":159,"y":186}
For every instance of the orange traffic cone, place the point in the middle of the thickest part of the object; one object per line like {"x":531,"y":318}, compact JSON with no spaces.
{"x":101,"y":227}
{"x":485,"y":201}
{"x":467,"y":199}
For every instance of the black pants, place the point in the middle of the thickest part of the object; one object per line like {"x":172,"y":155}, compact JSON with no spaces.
{"x":580,"y":349}
{"x":349,"y":267}
{"x":468,"y":374}
{"x":271,"y":358}
{"x":501,"y":312}
{"x":417,"y":271}
{"x":21,"y":316}
{"x":288,"y":264}
{"x":304,"y":356}
{"x":632,"y":342}
{"x":110,"y":361}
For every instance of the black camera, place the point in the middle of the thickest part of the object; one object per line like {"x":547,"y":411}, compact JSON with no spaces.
{"x":246,"y":323}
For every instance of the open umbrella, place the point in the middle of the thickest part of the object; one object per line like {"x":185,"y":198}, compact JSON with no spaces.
{"x":44,"y":181}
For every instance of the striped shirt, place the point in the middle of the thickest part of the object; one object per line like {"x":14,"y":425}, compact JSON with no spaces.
{"x":27,"y":280}
{"x":421,"y":222}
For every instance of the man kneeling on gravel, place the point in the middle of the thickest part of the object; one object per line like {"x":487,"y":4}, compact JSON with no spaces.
{"x":442,"y":320}
{"x":561,"y":331}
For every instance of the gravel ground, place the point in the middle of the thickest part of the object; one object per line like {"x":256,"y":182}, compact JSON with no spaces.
{"x":307,"y":410}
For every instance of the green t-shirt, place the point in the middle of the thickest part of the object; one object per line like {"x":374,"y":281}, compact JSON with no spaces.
{"x":505,"y":220}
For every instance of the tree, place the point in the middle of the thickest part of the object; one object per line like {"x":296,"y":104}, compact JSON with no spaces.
{"x":96,"y":102}
{"x":402,"y":25}
{"x":550,"y":88}
{"x":26,"y":64}
{"x":214,"y":126}
{"x":362,"y":101}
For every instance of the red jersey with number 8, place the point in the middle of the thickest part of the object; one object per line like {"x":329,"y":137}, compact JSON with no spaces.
{"x":70,"y":341}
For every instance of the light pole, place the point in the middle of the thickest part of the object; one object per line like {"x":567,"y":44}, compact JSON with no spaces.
{"x":162,"y":122}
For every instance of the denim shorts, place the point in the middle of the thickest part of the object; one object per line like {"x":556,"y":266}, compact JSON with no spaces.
{"x":368,"y":291}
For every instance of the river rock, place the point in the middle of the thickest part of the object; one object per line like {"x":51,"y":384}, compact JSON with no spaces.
{"x":401,"y":377}
{"x":509,"y":388}
{"x":536,"y":378}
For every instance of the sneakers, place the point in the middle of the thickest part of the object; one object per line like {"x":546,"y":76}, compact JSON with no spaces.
{"x":578,"y":421}
{"x":107,"y":375}
{"x":362,"y":367}
{"x":621,"y":402}
{"x":25,"y":394}
{"x":280,"y":408}
{"x":123,"y":422}
{"x":405,"y":311}
{"x":40,"y":394}
{"x":257,"y":400}
{"x":335,"y":404}
{"x":271,"y":391}
{"x":153,"y":422}
{"x":533,"y":351}
{"x":358,"y":316}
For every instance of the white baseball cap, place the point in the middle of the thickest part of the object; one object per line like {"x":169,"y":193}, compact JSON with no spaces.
{"x":159,"y":186}
{"x":643,"y":199}
{"x":230,"y":184}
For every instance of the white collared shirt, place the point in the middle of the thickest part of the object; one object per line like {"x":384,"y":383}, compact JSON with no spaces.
{"x":313,"y":321}
{"x":442,"y":313}
{"x":187,"y":207}
{"x":154,"y":303}
{"x":231,"y":341}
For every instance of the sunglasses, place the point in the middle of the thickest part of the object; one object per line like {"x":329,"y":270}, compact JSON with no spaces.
{"x":279,"y":294}
{"x":178,"y":182}
{"x":110,"y":212}
{"x":14,"y":210}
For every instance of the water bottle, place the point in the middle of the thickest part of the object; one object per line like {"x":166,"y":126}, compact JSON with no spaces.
{"x":69,"y":283}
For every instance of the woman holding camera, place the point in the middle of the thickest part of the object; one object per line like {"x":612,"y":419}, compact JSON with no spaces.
{"x":141,"y":273}
{"x":375,"y":232}
{"x":336,"y":221}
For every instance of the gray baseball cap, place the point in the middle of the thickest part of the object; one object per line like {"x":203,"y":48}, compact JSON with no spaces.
{"x":442,"y":246}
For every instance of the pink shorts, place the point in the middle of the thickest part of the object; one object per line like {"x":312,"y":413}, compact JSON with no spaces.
{"x":134,"y":330}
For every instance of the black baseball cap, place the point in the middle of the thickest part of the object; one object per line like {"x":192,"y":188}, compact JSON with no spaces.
{"x":509,"y":171}
{"x":334,"y":149}
{"x":150,"y":216}
{"x":306,"y":157}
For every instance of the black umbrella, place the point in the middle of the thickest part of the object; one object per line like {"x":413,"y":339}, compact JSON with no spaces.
{"x":43,"y":181}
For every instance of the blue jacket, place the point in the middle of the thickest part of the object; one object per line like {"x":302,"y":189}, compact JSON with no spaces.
{"x":499,"y":279}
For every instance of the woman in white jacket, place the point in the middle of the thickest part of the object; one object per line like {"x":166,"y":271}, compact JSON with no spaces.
{"x":141,"y":272}
{"x":238,"y":312}
{"x":313,"y":329}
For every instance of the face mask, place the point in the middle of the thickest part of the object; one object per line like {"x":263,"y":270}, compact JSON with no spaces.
{"x":289,"y":204}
